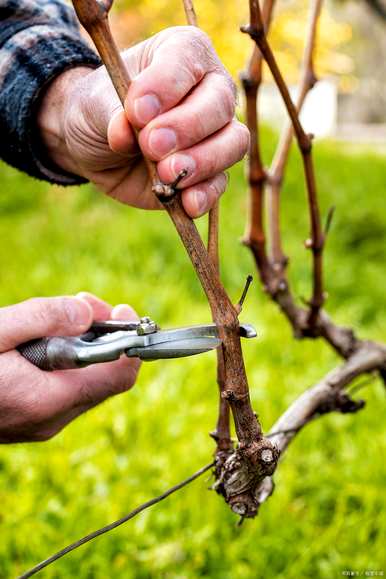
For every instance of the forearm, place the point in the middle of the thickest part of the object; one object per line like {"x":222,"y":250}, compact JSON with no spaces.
{"x":38,"y":42}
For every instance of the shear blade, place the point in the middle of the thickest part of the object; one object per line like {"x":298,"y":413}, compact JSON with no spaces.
{"x":175,"y":349}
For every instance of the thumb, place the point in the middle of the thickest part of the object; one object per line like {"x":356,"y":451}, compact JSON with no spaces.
{"x":181,"y":58}
{"x":39,"y":317}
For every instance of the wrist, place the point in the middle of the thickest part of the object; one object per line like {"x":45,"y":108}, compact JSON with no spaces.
{"x":51,"y":117}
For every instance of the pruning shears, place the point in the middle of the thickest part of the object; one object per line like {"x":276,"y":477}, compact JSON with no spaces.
{"x":108,"y":341}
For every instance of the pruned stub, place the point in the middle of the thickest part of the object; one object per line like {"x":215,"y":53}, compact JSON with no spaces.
{"x":240,"y":472}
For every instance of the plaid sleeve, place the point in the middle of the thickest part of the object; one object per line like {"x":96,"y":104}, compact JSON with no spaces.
{"x":39,"y":39}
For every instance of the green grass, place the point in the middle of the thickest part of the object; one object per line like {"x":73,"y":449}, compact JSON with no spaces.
{"x":326,"y":513}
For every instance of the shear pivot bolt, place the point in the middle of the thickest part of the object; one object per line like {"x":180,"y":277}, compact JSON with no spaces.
{"x":146,"y":326}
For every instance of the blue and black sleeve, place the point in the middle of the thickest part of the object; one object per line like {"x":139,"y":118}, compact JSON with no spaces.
{"x":38,"y":41}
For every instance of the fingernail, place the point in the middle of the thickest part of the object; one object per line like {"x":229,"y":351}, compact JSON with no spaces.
{"x":123,"y":312}
{"x":84,"y":295}
{"x":181,"y":162}
{"x":78,"y":311}
{"x":201,"y":202}
{"x":162,"y":142}
{"x":146,"y":108}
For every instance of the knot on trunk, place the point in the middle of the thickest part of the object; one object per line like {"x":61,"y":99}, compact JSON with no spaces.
{"x":341,"y":402}
{"x":240,"y":472}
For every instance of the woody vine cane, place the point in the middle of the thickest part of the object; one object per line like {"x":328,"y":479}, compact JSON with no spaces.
{"x":256,"y":30}
{"x":222,"y":434}
{"x":255,"y":457}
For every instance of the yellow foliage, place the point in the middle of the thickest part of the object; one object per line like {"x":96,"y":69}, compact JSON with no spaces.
{"x":287,"y":37}
{"x":136,"y":20}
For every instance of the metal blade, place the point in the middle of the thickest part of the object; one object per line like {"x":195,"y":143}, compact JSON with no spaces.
{"x":191,"y":332}
{"x":175,"y":349}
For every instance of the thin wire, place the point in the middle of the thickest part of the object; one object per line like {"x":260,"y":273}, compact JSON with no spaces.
{"x":113,"y":525}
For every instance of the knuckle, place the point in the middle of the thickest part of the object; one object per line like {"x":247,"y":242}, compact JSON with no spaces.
{"x":228,"y":100}
{"x":118,"y":387}
{"x":188,"y":32}
{"x":197,"y":35}
{"x":223,"y":181}
{"x":126,"y":379}
{"x":199,"y":45}
{"x":197,"y":72}
{"x":197,"y":125}
{"x":42,"y":314}
{"x":87,"y":396}
{"x":218,"y":184}
{"x":129,"y":372}
{"x":49,"y":313}
{"x":244,"y":138}
{"x":121,"y":378}
{"x":231,"y":85}
{"x":212,"y":164}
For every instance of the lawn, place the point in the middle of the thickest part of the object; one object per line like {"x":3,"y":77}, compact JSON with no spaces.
{"x":327,"y":513}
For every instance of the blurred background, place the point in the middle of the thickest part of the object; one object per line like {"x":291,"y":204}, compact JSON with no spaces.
{"x":350,"y":99}
{"x":326,"y":517}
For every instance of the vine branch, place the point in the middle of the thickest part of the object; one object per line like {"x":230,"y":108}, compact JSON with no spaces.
{"x":326,"y":396}
{"x":190,"y":12}
{"x":256,"y":30}
{"x":222,"y":434}
{"x":251,"y":79}
{"x":272,"y":269}
{"x":276,"y":171}
{"x":191,"y":19}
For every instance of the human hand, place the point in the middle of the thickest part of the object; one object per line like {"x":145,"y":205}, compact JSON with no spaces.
{"x":182,"y":101}
{"x":35,"y":405}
